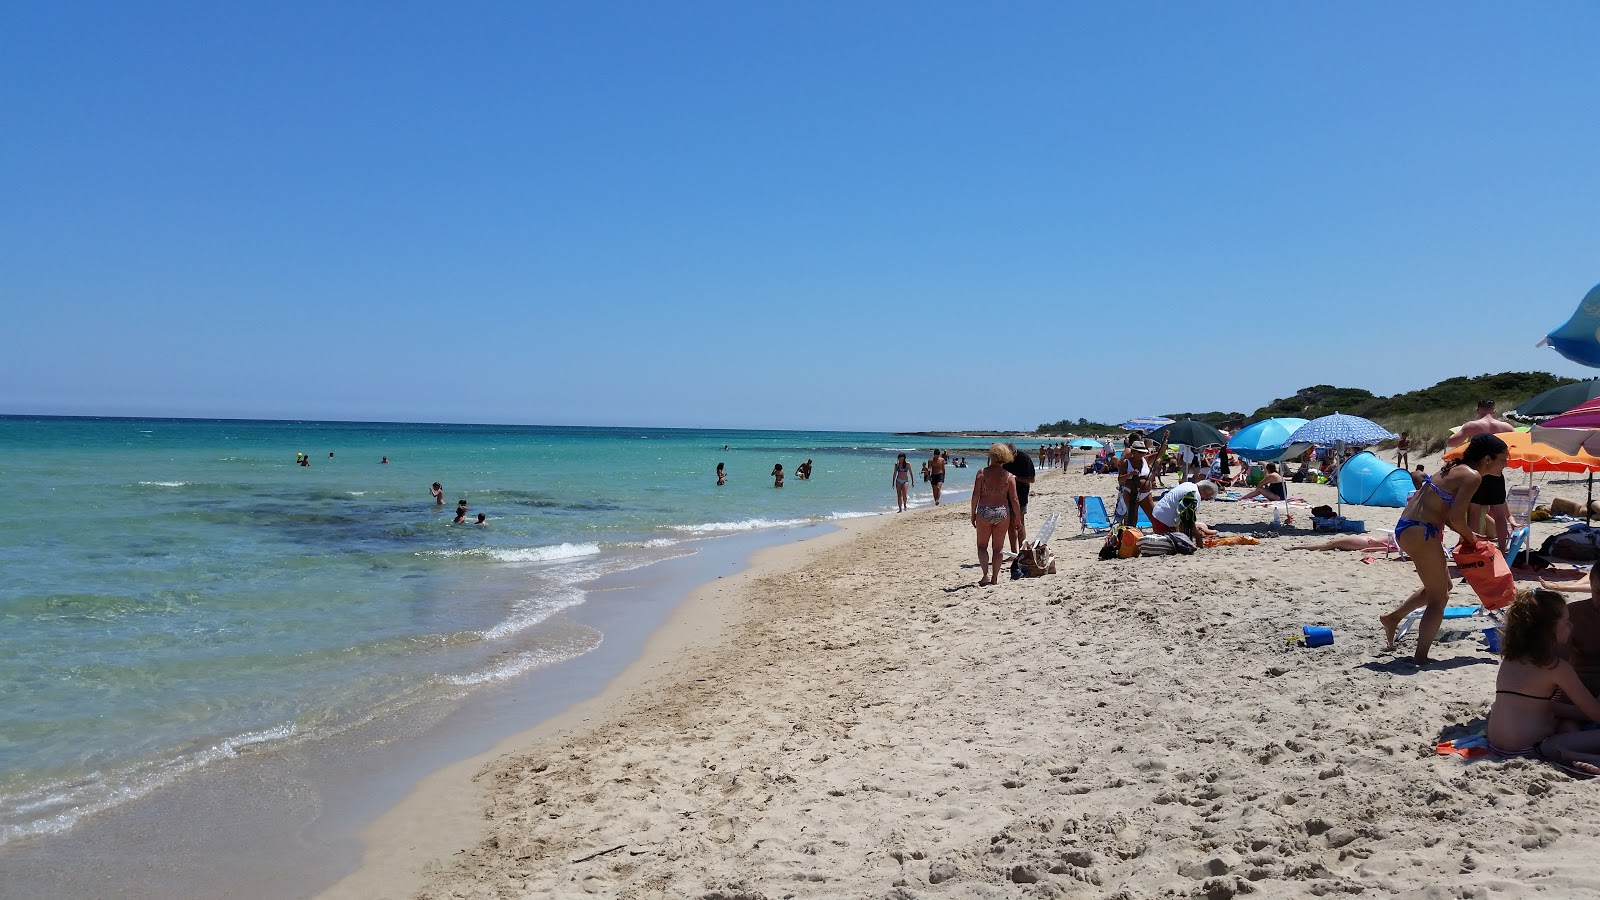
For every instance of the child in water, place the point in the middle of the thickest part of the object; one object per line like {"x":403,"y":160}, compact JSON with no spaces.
{"x":722,"y":477}
{"x":777,"y":475}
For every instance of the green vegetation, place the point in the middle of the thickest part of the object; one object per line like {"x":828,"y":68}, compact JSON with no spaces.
{"x":1428,"y":414}
{"x":1080,"y":427}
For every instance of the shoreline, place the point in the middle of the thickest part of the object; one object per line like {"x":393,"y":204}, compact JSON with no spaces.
{"x":442,"y":812}
{"x":873,"y":724}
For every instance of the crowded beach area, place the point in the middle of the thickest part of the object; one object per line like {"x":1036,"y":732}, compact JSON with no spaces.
{"x":855,"y":715}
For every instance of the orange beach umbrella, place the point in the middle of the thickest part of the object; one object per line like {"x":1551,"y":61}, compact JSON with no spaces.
{"x":1547,"y":450}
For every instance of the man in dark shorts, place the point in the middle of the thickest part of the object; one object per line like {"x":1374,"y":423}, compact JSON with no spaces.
{"x":936,"y":474}
{"x":1490,"y":500}
{"x":1021,"y":466}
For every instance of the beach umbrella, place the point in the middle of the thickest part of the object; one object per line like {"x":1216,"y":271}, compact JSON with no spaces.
{"x":1579,"y":339}
{"x":1337,"y":429}
{"x":1268,"y":440}
{"x":1145,"y":423}
{"x":1084,"y":443}
{"x":1195,"y":434}
{"x":1559,"y":400}
{"x":1547,"y":450}
{"x":1586,"y":415}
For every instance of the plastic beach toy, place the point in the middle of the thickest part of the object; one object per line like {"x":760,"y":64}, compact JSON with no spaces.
{"x":1491,"y":638}
{"x":1317,"y":635}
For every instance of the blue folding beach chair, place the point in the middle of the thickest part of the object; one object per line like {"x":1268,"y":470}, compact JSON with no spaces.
{"x":1519,"y":540}
{"x":1092,"y":516}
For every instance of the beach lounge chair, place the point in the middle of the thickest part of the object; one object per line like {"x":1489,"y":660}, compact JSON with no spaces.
{"x":1520,"y":502}
{"x":1452,"y":614}
{"x":1092,"y":516}
{"x":1519,"y":540}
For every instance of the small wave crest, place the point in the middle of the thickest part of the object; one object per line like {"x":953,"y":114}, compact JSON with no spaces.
{"x":165,"y":483}
{"x":551,"y":553}
{"x":741,"y":525}
{"x":534,"y":610}
{"x":58,"y":805}
{"x":526,"y":661}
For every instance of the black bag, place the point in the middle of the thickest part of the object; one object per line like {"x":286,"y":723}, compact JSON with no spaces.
{"x":1580,"y":544}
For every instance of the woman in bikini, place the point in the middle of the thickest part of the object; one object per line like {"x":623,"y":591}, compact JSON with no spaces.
{"x":902,"y":481}
{"x":722,"y":476}
{"x":1526,"y":721}
{"x":777,"y":475}
{"x":1271,"y":487}
{"x":994,"y":503}
{"x":1441,"y":503}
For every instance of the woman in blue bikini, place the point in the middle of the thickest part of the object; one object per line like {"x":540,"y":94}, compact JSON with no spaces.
{"x":1441,"y":503}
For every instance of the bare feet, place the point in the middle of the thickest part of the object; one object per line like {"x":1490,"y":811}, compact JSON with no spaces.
{"x":1391,"y":624}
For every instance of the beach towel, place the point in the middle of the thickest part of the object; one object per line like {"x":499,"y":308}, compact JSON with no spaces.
{"x":1232,"y":540}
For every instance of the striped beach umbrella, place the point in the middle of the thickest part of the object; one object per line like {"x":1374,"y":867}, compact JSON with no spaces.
{"x":1145,"y":423}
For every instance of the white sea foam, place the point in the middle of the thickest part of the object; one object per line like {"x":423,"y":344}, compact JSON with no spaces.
{"x":164,"y":483}
{"x":550,"y":553}
{"x":853,"y":515}
{"x":29,"y":813}
{"x":523,"y":662}
{"x":741,"y":525}
{"x":533,"y":610}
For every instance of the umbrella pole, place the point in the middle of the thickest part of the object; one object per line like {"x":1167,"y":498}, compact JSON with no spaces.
{"x":1591,"y":498}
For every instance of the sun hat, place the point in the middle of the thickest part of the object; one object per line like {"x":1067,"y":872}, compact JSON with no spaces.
{"x":1140,"y":446}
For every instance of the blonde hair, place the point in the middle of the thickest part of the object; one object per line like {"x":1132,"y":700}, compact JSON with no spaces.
{"x":1000,"y":454}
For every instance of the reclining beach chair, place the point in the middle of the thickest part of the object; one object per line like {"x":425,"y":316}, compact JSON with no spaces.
{"x":1452,"y":614}
{"x":1092,"y":516}
{"x":1519,"y":540}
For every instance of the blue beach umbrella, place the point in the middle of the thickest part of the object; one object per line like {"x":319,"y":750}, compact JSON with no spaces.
{"x":1331,"y":431}
{"x":1085,"y":443}
{"x":1145,"y":423}
{"x":1268,"y":440}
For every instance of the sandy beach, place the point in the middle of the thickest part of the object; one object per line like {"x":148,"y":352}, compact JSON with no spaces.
{"x":853,"y":717}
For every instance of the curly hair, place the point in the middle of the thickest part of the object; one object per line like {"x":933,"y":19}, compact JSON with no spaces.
{"x":1529,"y":634}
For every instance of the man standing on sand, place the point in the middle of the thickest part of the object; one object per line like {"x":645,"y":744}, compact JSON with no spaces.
{"x":1489,"y":502}
{"x":1021,"y":467}
{"x":936,"y":474}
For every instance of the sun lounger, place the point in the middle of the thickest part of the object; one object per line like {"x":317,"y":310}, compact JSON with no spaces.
{"x":1451,"y":614}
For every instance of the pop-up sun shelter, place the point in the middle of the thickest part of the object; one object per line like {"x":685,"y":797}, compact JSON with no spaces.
{"x":1366,"y":480}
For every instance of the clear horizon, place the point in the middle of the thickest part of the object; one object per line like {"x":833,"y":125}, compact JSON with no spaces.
{"x":890,"y":218}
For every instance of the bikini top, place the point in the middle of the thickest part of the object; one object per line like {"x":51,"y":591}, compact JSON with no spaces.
{"x":1529,"y":696}
{"x":1448,"y":498}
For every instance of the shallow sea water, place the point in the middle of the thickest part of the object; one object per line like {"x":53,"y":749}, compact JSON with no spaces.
{"x":175,"y":591}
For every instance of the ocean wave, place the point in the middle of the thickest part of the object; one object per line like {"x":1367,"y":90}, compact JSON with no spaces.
{"x":165,"y":483}
{"x":853,"y":515}
{"x":523,"y":662}
{"x":551,"y":553}
{"x":534,"y":610}
{"x":741,"y":525}
{"x":55,"y":807}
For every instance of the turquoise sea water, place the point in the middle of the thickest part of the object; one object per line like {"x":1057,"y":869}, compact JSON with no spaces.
{"x":174,"y":591}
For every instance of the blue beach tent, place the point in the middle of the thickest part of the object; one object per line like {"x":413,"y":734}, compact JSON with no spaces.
{"x":1366,"y":480}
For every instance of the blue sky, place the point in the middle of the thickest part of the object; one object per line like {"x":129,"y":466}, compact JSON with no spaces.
{"x":875,"y":216}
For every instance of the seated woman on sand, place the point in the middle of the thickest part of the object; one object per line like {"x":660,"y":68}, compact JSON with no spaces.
{"x":1271,"y":487}
{"x":1525,"y":721}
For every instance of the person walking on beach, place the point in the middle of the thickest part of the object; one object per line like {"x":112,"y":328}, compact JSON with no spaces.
{"x":901,"y":481}
{"x":1402,"y":451}
{"x":777,"y":475}
{"x":1441,"y":503}
{"x":936,"y":474}
{"x":994,"y":504}
{"x":722,"y":476}
{"x":1021,"y":468}
{"x":438,"y":494}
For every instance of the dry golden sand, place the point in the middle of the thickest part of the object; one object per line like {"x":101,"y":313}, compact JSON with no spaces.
{"x":874,"y":725}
